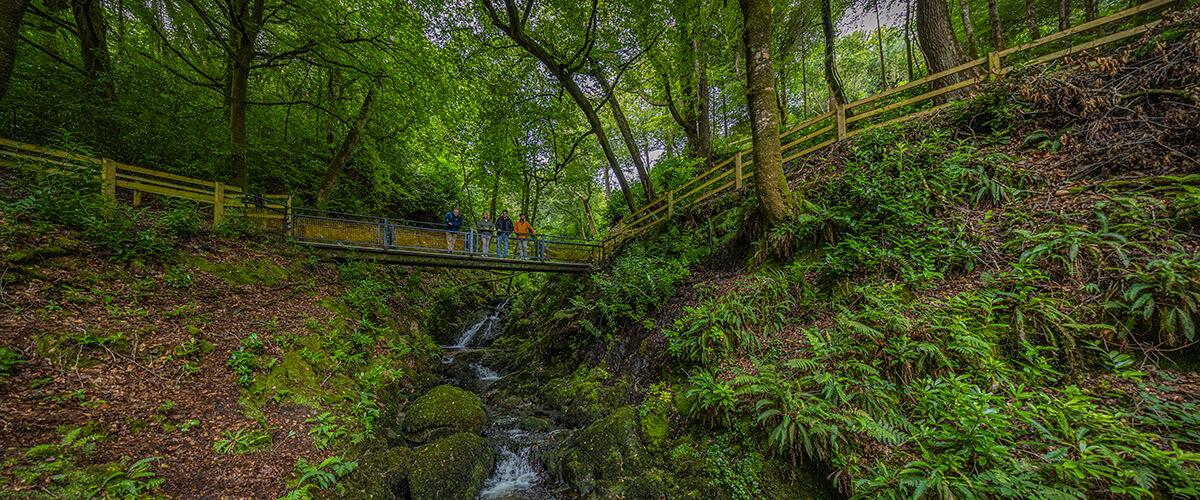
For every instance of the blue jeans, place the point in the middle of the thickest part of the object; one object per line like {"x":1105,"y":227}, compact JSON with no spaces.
{"x":501,"y":245}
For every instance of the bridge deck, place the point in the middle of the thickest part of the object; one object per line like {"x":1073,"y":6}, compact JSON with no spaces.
{"x":350,"y":236}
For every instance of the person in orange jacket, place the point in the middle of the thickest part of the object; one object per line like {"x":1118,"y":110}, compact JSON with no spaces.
{"x":524,"y":231}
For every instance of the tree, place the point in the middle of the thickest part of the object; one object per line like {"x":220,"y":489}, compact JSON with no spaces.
{"x":514,"y":23}
{"x":994,"y":23}
{"x":1031,"y":20}
{"x":836,"y":88}
{"x":626,"y":134}
{"x":938,"y":43}
{"x":339,"y":160}
{"x":11,"y":14}
{"x":972,"y":50}
{"x":93,"y":44}
{"x":1064,"y":15}
{"x":774,"y":197}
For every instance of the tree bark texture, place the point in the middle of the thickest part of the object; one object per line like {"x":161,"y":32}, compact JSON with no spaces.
{"x":244,"y":29}
{"x":836,"y":89}
{"x":968,"y":29}
{"x":908,"y":36}
{"x":1031,"y":20}
{"x":1064,"y":15}
{"x":938,"y":44}
{"x":514,"y":28}
{"x":996,"y":27}
{"x":339,"y":161}
{"x":93,"y":44}
{"x":1091,"y":10}
{"x":879,"y":42}
{"x":770,"y":185}
{"x":626,"y":134}
{"x":12,"y":12}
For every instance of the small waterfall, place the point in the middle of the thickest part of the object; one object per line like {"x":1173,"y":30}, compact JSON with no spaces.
{"x":484,"y":373}
{"x":484,"y":329}
{"x":514,"y":474}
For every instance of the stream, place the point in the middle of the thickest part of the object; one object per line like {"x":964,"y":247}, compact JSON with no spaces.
{"x":518,"y":433}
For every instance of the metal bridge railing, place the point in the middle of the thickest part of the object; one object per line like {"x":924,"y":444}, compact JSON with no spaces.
{"x":366,"y":232}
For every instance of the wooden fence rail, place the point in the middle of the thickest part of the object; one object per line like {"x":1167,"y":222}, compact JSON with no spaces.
{"x":896,"y":105}
{"x":140,"y":180}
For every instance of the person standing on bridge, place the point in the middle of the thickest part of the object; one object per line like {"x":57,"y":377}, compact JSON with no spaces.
{"x":486,"y":226}
{"x":504,"y":227}
{"x":524,"y":231}
{"x":453,"y":225}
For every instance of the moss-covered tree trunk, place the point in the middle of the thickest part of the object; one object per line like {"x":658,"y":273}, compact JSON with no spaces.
{"x":93,"y":44}
{"x":339,"y":161}
{"x":1031,"y":20}
{"x":836,"y":89}
{"x":11,"y":14}
{"x":774,"y":197}
{"x":968,"y":28}
{"x":247,"y":21}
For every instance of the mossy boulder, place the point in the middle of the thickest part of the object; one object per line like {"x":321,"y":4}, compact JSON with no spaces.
{"x":602,"y":457}
{"x":584,"y":397}
{"x":445,"y":410}
{"x":452,"y":468}
{"x":56,"y":247}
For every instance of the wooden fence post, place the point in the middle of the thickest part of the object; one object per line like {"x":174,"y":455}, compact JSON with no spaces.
{"x":110,"y":178}
{"x":137,"y":198}
{"x":737,"y":170}
{"x":994,"y":63}
{"x":218,"y":202}
{"x":841,"y":121}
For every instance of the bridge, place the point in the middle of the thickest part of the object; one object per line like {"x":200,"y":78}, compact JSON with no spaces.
{"x":339,"y":235}
{"x":332,"y":235}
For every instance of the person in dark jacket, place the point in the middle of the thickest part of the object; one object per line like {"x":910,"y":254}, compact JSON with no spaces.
{"x":504,"y":229}
{"x":453,"y":226}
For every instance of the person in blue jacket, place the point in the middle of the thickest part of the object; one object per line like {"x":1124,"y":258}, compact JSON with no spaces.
{"x":453,"y":226}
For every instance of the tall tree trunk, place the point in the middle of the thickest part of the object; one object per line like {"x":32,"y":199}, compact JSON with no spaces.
{"x":703,"y":106}
{"x":774,"y":197}
{"x":1091,"y":10}
{"x":626,"y":134}
{"x":879,"y":41}
{"x":93,"y":44}
{"x":12,"y":12}
{"x":339,"y":161}
{"x":1031,"y":20}
{"x":994,"y":22}
{"x":836,"y":90}
{"x":908,"y":37}
{"x":247,"y":21}
{"x":969,"y":29}
{"x":938,"y":44}
{"x":1064,"y":15}
{"x":515,"y":29}
{"x":804,"y":78}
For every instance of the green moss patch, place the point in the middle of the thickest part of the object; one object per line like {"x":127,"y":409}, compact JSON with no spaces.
{"x":451,"y":469}
{"x":445,"y":410}
{"x":600,"y":457}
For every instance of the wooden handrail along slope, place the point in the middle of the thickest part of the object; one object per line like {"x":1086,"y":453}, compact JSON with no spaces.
{"x":139,"y":180}
{"x":835,"y":125}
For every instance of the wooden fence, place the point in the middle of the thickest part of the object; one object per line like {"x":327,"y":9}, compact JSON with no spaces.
{"x":906,"y":102}
{"x":223,"y":198}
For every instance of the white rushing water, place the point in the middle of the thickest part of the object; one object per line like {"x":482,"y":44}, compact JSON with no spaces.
{"x":514,"y":474}
{"x":484,"y":373}
{"x":482,"y":329}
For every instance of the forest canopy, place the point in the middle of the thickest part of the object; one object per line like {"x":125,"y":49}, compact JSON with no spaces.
{"x":568,"y":111}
